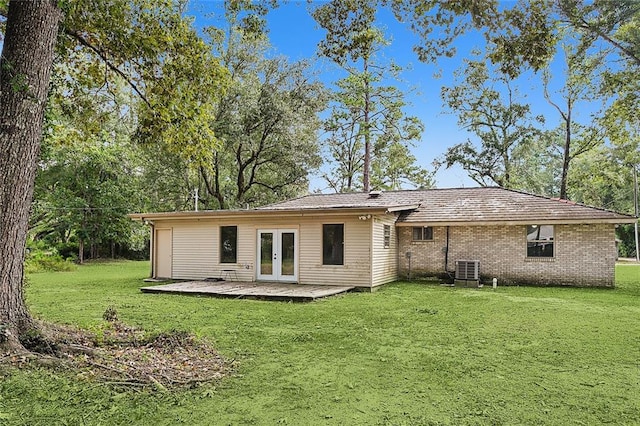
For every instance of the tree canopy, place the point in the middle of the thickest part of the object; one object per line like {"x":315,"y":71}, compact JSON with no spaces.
{"x":369,"y":133}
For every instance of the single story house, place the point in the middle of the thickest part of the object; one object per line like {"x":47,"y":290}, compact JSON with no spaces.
{"x":369,"y":239}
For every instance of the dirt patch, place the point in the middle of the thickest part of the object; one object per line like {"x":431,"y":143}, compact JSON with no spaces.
{"x":122,"y":355}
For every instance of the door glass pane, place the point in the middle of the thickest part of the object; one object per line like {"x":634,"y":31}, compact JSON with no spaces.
{"x":288,"y":253}
{"x":266,"y":253}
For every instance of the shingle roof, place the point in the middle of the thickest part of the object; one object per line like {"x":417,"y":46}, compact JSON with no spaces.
{"x":460,"y":205}
{"x":351,"y":200}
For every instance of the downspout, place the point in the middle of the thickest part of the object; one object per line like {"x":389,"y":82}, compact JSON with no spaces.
{"x":371,"y":250}
{"x":446,"y":254}
{"x":152,"y":246}
{"x":635,"y":208}
{"x":397,"y":232}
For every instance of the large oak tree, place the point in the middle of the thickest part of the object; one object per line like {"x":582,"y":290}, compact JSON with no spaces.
{"x":25,"y":69}
{"x":488,"y":105}
{"x":146,"y":45}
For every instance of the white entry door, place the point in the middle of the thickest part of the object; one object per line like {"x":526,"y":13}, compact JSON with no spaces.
{"x":278,"y":255}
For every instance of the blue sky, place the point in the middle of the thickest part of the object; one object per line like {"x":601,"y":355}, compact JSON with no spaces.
{"x":294,"y":33}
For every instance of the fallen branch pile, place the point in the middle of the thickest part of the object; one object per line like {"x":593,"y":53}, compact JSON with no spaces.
{"x":126,"y":356}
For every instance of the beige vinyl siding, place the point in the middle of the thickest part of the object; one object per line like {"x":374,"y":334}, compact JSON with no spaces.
{"x":196,"y":248}
{"x":245,"y":268}
{"x":356,"y":270}
{"x":193,"y":251}
{"x":384,"y":267}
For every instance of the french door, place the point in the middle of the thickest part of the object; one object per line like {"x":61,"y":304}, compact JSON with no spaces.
{"x":278,"y":255}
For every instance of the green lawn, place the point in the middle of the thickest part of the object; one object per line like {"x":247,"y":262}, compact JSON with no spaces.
{"x":409,"y":354}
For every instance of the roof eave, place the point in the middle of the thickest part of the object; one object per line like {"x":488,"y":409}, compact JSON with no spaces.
{"x":220,"y":214}
{"x":615,"y":221}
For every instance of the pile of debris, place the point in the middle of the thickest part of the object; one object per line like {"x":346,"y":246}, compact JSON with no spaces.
{"x":125,"y":356}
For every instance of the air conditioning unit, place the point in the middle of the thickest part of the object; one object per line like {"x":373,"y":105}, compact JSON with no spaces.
{"x":468,"y":272}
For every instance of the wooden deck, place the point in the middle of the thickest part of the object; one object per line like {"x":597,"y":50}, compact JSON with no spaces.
{"x":236,"y":289}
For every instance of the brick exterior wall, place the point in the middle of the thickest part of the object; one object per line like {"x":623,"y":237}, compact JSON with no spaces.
{"x":584,"y":255}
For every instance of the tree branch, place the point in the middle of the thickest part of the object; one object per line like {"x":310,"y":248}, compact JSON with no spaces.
{"x":83,"y":41}
{"x":547,"y":96}
{"x":587,"y":26}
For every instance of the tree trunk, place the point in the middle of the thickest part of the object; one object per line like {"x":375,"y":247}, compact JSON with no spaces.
{"x":25,"y":69}
{"x":366,"y":173}
{"x":214,"y":191}
{"x":566,"y":160}
{"x":81,"y":251}
{"x":506,"y":183}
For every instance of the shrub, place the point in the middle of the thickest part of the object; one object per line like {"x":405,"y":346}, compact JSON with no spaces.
{"x":68,"y":251}
{"x":42,"y":259}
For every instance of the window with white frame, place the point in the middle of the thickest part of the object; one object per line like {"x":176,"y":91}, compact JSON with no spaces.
{"x":540,"y":241}
{"x":422,"y":233}
{"x":387,"y":236}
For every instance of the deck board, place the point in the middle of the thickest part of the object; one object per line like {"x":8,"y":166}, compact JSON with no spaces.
{"x":270,"y":291}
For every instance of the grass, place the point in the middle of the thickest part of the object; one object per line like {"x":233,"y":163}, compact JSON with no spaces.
{"x":409,"y":354}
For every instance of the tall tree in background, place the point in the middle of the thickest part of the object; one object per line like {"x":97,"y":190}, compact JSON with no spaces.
{"x":604,"y":32}
{"x":350,"y":37}
{"x":154,"y":73}
{"x":268,"y":130}
{"x":391,"y":133}
{"x":344,"y":146}
{"x":576,"y":138}
{"x":607,"y":176}
{"x":168,"y":65}
{"x":622,"y":122}
{"x":25,"y":67}
{"x":369,"y":134}
{"x":527,"y":35}
{"x":536,"y":163}
{"x":267,"y":121}
{"x":88,"y":169}
{"x":489,"y":107}
{"x":84,"y":194}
